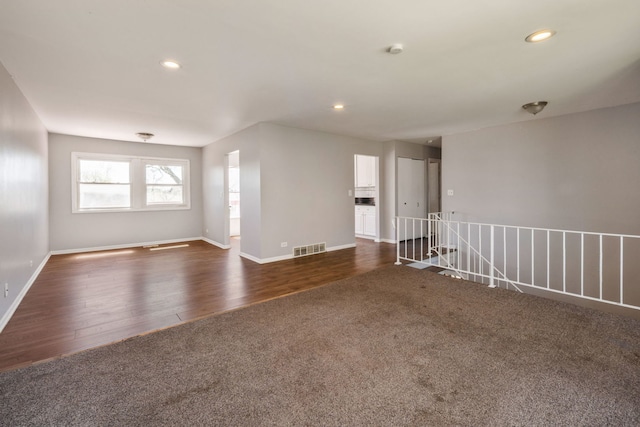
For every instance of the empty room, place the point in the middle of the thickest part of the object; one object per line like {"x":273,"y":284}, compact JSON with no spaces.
{"x":319,"y":213}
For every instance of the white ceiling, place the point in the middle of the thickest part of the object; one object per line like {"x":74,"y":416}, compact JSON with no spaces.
{"x":91,"y":67}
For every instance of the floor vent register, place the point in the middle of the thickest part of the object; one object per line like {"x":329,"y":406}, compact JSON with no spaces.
{"x":316,"y":248}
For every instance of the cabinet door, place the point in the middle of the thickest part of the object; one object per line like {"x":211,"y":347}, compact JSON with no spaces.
{"x":365,"y":171}
{"x":359,"y":221}
{"x":370,"y":223}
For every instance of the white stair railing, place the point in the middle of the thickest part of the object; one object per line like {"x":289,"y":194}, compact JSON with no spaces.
{"x":601,"y":267}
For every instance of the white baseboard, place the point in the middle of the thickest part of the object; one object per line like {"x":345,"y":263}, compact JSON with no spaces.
{"x":290,"y":256}
{"x":392,"y":241}
{"x":124,"y":246}
{"x":214,"y":243}
{"x":14,"y":305}
{"x":337,"y":248}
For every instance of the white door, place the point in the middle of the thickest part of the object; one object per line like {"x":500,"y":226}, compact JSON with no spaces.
{"x":433,"y":170}
{"x":411,"y":193}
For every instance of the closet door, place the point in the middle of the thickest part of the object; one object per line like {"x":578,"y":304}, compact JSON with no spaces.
{"x":411,"y":193}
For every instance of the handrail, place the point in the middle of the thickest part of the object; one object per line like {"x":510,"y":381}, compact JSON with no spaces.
{"x":583,"y":264}
{"x":492,"y":285}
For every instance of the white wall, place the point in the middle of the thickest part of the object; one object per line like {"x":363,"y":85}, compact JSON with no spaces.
{"x":74,"y":231}
{"x":579,"y":172}
{"x":24,"y":235}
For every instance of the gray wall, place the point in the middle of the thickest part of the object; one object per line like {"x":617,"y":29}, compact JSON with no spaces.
{"x":391,"y":151}
{"x":306,"y":178}
{"x":216,"y":206}
{"x":70,"y":232}
{"x":294,"y":187}
{"x":578,"y":172}
{"x":575,"y":172}
{"x":24,"y":235}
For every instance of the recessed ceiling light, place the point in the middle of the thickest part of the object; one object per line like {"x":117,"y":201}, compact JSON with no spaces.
{"x":170,"y":64}
{"x":395,"y":49}
{"x":338,"y":107}
{"x":539,"y":36}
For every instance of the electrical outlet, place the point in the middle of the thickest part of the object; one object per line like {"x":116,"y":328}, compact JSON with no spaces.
{"x":449,"y":192}
{"x":30,"y":263}
{"x":284,"y":244}
{"x":6,"y":290}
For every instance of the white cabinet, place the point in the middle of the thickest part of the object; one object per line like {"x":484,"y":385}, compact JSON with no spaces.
{"x":365,"y":167}
{"x":359,"y":221}
{"x":366,"y":221}
{"x":370,"y":222}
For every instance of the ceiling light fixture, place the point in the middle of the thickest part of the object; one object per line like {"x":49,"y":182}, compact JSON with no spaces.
{"x":338,"y":107}
{"x":395,"y":49}
{"x":145,"y":136}
{"x":539,"y":36}
{"x":167,"y":63}
{"x":535,"y":107}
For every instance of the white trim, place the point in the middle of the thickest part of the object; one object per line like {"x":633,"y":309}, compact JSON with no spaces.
{"x":337,"y":248}
{"x":392,"y":241}
{"x":124,"y":246}
{"x":252,"y":258}
{"x":14,"y":305}
{"x":214,"y":243}
{"x":290,"y":256}
{"x":362,"y":236}
{"x":266,"y":260}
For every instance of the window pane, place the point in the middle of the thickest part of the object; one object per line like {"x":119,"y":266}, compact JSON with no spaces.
{"x":95,"y":196}
{"x":104,"y":171}
{"x":164,"y":194}
{"x":163,"y":174}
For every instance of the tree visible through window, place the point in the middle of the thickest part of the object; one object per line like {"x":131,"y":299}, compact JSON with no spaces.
{"x":164,"y":184}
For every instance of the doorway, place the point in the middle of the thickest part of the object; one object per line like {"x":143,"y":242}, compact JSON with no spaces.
{"x":367,"y":200}
{"x":233,"y":179}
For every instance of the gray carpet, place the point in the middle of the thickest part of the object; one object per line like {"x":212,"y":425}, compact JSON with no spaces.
{"x":397,"y":346}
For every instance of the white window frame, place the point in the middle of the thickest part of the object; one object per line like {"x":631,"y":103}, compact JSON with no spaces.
{"x":138,"y":185}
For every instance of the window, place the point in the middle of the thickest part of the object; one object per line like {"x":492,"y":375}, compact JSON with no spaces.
{"x":103,"y":184}
{"x":107,"y":183}
{"x":164,"y":184}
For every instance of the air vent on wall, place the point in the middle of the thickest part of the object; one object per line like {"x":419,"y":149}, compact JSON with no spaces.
{"x":316,"y":248}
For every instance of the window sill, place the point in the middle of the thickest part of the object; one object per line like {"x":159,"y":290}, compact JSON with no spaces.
{"x":119,"y":210}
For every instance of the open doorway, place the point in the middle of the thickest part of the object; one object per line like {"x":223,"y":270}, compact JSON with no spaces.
{"x":233,"y":177}
{"x":367,"y":206}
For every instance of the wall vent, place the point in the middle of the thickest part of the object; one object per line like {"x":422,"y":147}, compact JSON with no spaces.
{"x":316,"y":248}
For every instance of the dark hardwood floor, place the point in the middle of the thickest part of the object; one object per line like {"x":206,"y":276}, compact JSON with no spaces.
{"x":87,"y":300}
